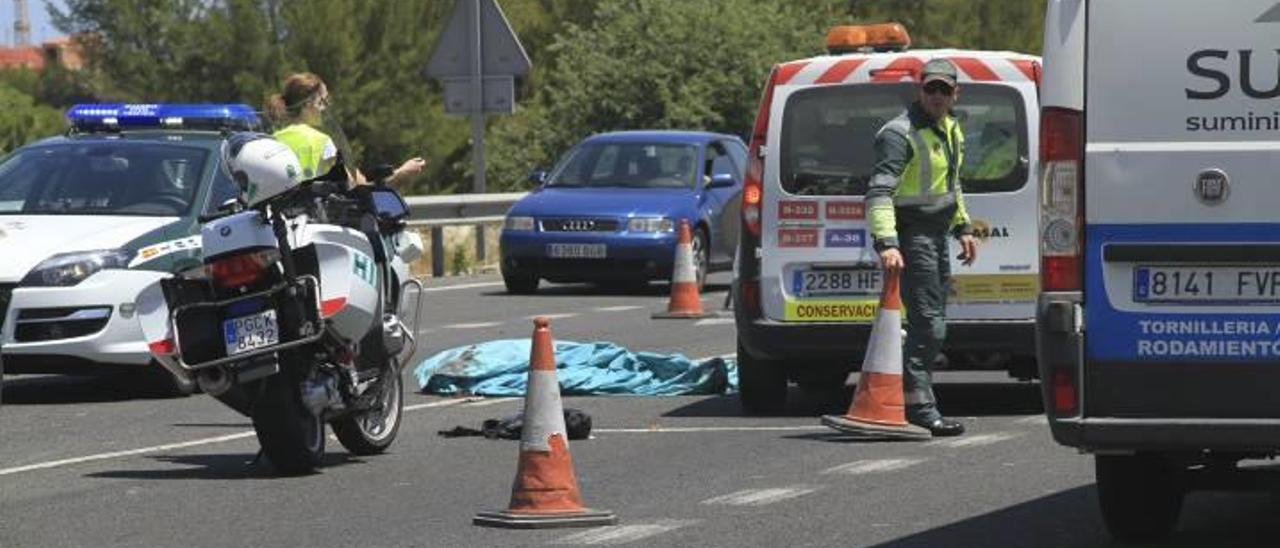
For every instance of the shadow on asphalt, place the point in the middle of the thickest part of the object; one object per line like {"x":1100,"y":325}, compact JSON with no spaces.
{"x":956,"y":399}
{"x":56,"y":390}
{"x":1071,"y":519}
{"x":623,"y":290}
{"x":216,"y":467}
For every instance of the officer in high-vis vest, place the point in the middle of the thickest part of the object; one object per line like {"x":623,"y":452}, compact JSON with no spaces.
{"x":300,"y":107}
{"x":913,"y":203}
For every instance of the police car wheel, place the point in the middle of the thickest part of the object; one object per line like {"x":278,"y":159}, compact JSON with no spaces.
{"x":762,"y":384}
{"x":1140,"y":496}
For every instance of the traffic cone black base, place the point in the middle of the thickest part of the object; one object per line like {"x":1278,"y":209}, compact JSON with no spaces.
{"x":870,"y":431}
{"x":511,"y":520}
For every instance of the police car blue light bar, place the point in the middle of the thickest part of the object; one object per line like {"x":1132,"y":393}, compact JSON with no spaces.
{"x":173,"y":116}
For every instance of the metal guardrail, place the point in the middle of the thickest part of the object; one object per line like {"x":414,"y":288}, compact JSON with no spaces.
{"x":437,"y":212}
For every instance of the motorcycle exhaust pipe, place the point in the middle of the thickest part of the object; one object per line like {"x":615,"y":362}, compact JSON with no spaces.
{"x":215,"y":381}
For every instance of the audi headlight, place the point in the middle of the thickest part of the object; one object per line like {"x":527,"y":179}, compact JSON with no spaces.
{"x":650,"y":224}
{"x":66,"y":269}
{"x":519,"y":223}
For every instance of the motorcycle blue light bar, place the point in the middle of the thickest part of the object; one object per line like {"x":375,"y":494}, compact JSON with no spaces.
{"x":172,"y":116}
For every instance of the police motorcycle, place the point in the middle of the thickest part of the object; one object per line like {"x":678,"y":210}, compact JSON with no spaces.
{"x":303,"y":311}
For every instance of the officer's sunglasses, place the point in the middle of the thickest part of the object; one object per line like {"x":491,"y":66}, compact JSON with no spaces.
{"x":938,"y":87}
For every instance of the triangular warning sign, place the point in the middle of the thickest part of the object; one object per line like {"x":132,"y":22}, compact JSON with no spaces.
{"x":1271,"y":16}
{"x":500,"y":51}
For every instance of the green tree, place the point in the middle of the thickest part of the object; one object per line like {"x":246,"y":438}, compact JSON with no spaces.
{"x":651,"y":64}
{"x":22,"y":120}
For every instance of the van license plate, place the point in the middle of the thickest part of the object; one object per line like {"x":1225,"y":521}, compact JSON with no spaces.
{"x":1240,"y":285}
{"x":249,"y":332}
{"x":576,"y":251}
{"x":843,"y":281}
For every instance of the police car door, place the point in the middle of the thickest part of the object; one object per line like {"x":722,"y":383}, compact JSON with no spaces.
{"x":1182,"y":203}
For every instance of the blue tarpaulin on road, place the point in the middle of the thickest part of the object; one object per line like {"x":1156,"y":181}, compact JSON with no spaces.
{"x":501,"y":368}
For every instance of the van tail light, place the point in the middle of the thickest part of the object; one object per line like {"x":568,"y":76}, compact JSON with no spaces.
{"x":241,"y":269}
{"x":1061,"y":198}
{"x":1066,"y":393}
{"x":753,"y":185}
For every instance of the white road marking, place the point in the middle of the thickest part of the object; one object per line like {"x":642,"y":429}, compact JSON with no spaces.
{"x":622,"y":308}
{"x":477,"y":325}
{"x":186,"y":444}
{"x":761,"y":497}
{"x":714,"y":321}
{"x":129,"y":453}
{"x":1034,"y":419}
{"x":622,"y":534}
{"x":461,"y":286}
{"x":978,"y":440}
{"x":554,"y":316}
{"x":492,"y":401}
{"x":872,"y":466}
{"x":657,"y":429}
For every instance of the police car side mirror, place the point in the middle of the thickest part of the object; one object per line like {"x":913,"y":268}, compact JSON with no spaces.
{"x":722,"y":180}
{"x":538,"y":177}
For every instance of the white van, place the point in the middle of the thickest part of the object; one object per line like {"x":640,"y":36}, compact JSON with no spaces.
{"x":1159,"y":326}
{"x":807,"y":280}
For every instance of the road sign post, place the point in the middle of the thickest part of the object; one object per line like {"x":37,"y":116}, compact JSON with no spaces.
{"x":476,"y":59}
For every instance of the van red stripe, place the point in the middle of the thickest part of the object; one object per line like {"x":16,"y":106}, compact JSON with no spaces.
{"x":788,"y":71}
{"x":894,"y":71}
{"x":1027,"y":67}
{"x":839,"y":71}
{"x":977,"y":70}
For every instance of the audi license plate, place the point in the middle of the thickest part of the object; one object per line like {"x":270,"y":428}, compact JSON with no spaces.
{"x":249,"y":332}
{"x":836,"y":281}
{"x":576,"y":251}
{"x":1239,"y":285}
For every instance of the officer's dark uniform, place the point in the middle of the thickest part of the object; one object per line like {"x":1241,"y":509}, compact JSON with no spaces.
{"x":913,"y":202}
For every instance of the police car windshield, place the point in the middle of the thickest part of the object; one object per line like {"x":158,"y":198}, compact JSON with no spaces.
{"x":828,"y":137}
{"x":146,"y":179}
{"x":636,"y":165}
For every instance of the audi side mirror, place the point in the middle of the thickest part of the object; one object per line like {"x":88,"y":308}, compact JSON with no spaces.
{"x":538,"y":177}
{"x":722,"y":180}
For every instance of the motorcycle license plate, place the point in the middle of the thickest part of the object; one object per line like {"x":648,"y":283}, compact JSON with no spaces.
{"x":250,"y":332}
{"x":836,"y":281}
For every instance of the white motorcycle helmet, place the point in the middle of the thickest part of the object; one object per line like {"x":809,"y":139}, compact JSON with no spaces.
{"x":262,"y":166}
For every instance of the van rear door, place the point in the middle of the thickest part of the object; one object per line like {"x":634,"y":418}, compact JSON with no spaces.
{"x":1182,"y":243}
{"x":818,"y":264}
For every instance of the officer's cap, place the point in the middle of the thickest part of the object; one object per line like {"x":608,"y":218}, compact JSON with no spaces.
{"x":939,"y":69}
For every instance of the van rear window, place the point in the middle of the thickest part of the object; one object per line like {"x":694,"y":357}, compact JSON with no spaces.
{"x":828,"y":137}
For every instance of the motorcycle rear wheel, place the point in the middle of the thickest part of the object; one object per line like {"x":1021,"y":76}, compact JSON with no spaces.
{"x":291,"y":437}
{"x":372,"y":431}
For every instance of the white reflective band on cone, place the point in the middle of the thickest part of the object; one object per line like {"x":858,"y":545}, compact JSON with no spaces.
{"x":884,"y":353}
{"x":684,"y":271}
{"x":542,"y":417}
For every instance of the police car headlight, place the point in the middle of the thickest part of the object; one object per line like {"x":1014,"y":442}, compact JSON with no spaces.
{"x":67,"y":269}
{"x":650,"y":224}
{"x":519,"y":223}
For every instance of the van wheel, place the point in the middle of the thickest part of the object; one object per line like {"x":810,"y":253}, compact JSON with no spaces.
{"x":1140,"y":495}
{"x":762,"y":384}
{"x":520,"y":284}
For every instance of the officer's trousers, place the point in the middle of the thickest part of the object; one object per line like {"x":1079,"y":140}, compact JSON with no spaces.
{"x":925,"y":284}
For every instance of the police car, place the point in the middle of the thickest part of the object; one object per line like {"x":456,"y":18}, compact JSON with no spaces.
{"x":89,"y":218}
{"x":1158,"y":328}
{"x":807,"y":279}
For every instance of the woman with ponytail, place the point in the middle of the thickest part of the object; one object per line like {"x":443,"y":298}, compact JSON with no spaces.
{"x":299,"y":109}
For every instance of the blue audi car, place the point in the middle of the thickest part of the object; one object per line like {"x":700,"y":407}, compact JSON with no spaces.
{"x":609,"y":210}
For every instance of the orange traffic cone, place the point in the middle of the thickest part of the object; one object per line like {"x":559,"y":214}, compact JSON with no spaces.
{"x":685,"y":302}
{"x":545,"y":492}
{"x":878,"y":410}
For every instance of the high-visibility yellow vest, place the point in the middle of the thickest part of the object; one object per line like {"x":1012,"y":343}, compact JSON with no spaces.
{"x":931,"y":179}
{"x":309,"y":144}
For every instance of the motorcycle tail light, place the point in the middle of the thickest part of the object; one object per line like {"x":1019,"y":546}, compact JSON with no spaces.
{"x":241,"y":269}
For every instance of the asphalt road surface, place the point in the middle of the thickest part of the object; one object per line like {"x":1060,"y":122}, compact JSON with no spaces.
{"x":97,"y":462}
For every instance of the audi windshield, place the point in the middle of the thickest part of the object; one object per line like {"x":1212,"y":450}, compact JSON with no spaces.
{"x":637,"y":165}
